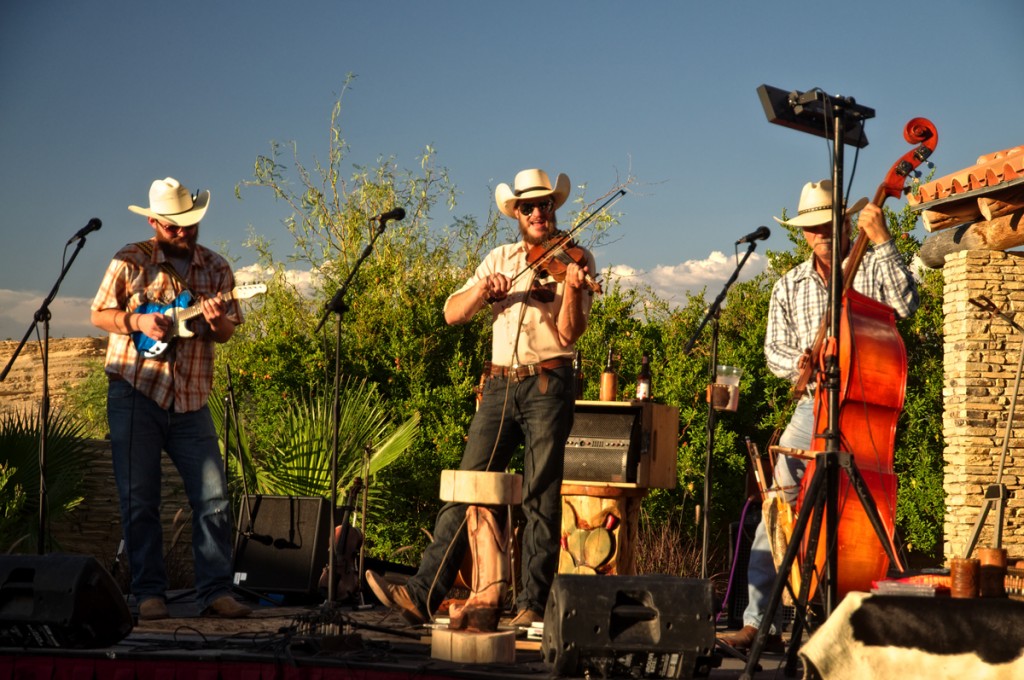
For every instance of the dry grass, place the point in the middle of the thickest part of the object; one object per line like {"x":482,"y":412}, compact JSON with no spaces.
{"x":669,"y":548}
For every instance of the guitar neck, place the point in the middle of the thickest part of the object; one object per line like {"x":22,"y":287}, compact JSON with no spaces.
{"x":195,"y":310}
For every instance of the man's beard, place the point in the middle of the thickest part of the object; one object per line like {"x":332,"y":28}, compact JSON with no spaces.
{"x":176,"y":248}
{"x":534,"y":241}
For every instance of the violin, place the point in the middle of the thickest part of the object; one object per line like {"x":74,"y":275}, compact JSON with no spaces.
{"x":348,"y":544}
{"x":556,"y":254}
{"x":558,"y":251}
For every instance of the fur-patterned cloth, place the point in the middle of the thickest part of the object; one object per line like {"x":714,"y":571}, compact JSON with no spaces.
{"x":884,"y":636}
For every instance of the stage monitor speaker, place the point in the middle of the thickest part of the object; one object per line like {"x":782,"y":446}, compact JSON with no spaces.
{"x":652,"y":626}
{"x":604,"y":445}
{"x":284,"y":549}
{"x":60,"y":600}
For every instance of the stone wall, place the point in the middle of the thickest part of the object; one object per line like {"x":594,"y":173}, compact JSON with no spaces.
{"x":94,"y":528}
{"x":980,"y":367}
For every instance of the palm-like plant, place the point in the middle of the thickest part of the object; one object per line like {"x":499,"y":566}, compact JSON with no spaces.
{"x":300,"y":461}
{"x":66,"y":448}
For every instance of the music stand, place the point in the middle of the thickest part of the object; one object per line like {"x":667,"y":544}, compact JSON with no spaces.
{"x":813,"y":112}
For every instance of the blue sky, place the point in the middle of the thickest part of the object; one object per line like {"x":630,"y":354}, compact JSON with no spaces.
{"x":100,"y":98}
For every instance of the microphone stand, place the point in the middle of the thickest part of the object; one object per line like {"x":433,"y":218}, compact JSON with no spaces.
{"x":43,"y":315}
{"x":338,"y":306}
{"x":712,"y":316}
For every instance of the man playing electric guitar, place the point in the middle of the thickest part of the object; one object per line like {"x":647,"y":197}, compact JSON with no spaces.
{"x":156,"y":405}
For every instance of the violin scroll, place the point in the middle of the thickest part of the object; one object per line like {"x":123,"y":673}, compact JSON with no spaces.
{"x":922,"y":132}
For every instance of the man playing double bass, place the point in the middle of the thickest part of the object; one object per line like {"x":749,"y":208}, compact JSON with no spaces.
{"x":797,"y":308}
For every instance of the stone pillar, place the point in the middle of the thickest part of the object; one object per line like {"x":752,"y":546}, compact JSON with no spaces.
{"x":980,"y":364}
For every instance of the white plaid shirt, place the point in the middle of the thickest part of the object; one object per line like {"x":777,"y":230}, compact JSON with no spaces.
{"x":800,"y":300}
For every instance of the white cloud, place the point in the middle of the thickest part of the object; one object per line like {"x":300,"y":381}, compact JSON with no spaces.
{"x":673,"y":282}
{"x":69,"y":316}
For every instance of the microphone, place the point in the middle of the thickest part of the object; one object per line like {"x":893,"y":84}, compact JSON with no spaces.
{"x":94,"y":225}
{"x":759,"y":234}
{"x":393,"y":214}
{"x":259,"y":538}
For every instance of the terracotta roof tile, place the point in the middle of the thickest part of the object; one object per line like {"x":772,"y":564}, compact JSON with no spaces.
{"x":988,"y":174}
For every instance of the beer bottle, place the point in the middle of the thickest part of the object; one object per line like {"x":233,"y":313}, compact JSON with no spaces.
{"x":609,"y":380}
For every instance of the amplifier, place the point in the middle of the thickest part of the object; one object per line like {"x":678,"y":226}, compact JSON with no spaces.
{"x":632,"y":443}
{"x":603,"y":447}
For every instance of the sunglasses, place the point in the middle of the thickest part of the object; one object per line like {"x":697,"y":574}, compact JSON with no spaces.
{"x":545,"y":206}
{"x":178,"y":228}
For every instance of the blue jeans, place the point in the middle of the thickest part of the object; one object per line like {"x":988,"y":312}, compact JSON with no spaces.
{"x":139,"y":431}
{"x":538,"y":415}
{"x":787,"y":475}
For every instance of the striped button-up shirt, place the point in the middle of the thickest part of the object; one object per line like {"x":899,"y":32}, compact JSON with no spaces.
{"x":800,"y":300}
{"x":181,"y":377}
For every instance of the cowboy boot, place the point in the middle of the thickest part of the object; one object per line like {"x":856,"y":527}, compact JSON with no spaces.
{"x":489,"y":547}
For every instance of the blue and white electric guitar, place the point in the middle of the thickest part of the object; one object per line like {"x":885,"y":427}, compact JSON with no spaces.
{"x":180,"y":312}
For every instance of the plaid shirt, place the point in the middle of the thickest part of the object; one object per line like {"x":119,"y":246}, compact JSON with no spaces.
{"x":800,"y":300}
{"x":180,"y":378}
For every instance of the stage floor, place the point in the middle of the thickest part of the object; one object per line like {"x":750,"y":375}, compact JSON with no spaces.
{"x":292,"y":642}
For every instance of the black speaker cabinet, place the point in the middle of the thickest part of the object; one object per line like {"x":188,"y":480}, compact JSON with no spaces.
{"x":623,"y":442}
{"x":651,"y":626}
{"x":284,"y":549}
{"x":60,"y":600}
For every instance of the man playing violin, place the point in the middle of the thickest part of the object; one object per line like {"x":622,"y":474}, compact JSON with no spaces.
{"x":798,"y":305}
{"x":528,"y":399}
{"x":159,"y":404}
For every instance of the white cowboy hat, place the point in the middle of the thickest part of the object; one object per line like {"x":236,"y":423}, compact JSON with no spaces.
{"x":816,"y":205}
{"x":170,"y":202}
{"x":531,"y":184}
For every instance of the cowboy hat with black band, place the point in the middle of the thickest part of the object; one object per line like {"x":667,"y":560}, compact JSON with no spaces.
{"x":531,"y":184}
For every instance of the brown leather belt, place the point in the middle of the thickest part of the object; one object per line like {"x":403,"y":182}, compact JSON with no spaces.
{"x":520,"y":372}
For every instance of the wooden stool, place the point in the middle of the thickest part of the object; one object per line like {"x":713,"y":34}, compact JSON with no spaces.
{"x":472,"y":635}
{"x":599,"y":528}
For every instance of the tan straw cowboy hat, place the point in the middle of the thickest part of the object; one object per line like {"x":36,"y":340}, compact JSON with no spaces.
{"x":170,"y":202}
{"x":816,"y":205}
{"x":531,"y":184}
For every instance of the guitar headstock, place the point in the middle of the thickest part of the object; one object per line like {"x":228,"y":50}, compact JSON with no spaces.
{"x":249,"y":290}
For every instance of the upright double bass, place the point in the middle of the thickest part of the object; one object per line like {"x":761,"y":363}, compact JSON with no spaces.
{"x":872,"y":379}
